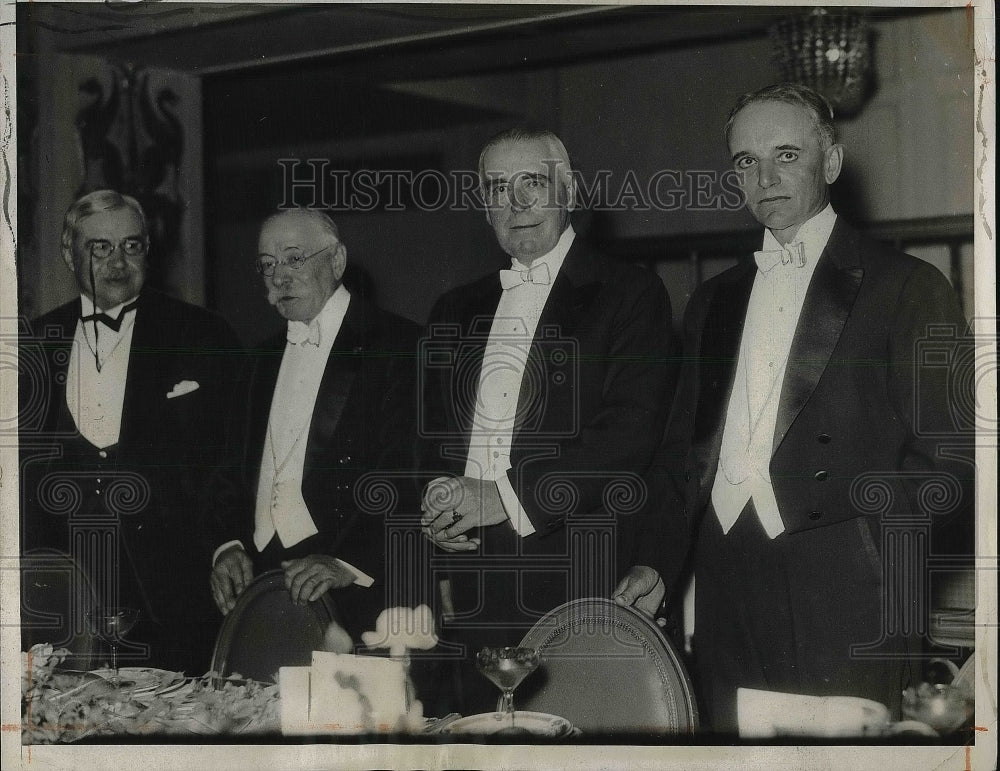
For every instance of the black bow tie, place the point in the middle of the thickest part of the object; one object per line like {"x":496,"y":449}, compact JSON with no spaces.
{"x":109,"y":321}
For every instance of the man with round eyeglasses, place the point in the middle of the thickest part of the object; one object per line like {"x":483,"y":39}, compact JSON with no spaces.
{"x":329,"y":418}
{"x":123,"y":415}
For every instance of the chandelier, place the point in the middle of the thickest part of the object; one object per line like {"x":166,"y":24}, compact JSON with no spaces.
{"x":829,"y":51}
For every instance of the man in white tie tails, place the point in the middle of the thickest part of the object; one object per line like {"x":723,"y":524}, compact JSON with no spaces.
{"x":124,"y":403}
{"x":801,"y":430}
{"x":332,"y":401}
{"x":545,"y":394}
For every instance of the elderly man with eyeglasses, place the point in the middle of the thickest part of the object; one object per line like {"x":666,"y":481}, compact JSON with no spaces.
{"x":123,"y":414}
{"x":328,"y":452}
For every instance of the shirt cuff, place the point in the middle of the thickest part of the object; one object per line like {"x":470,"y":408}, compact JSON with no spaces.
{"x":226,"y":545}
{"x":515,"y":513}
{"x":360,"y":577}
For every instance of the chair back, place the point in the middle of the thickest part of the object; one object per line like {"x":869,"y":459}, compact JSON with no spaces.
{"x":266,"y":630}
{"x":608,"y":670}
{"x":56,"y":595}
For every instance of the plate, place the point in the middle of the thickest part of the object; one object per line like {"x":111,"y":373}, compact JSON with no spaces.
{"x":534,"y":723}
{"x":70,"y":682}
{"x":140,"y":680}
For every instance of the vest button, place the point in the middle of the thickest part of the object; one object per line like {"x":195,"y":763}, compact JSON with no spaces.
{"x":814,"y":515}
{"x":823,"y":438}
{"x":820,"y":476}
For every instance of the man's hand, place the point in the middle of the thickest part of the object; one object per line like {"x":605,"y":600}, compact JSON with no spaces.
{"x":453,"y":506}
{"x":309,"y":578}
{"x":231,"y":573}
{"x":642,"y":589}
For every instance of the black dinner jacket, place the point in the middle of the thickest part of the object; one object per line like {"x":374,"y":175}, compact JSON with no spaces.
{"x":165,"y":454}
{"x":592,"y":403}
{"x":853,"y":400}
{"x":360,"y":454}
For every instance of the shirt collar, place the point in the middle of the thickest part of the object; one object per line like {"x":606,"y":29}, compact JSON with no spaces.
{"x":331,"y":315}
{"x":88,"y":308}
{"x":553,"y":258}
{"x":814,"y":233}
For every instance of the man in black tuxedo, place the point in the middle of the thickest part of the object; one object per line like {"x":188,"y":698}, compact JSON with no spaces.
{"x":329,"y":440}
{"x":545,"y":396}
{"x":811,"y":448}
{"x":124,"y":396}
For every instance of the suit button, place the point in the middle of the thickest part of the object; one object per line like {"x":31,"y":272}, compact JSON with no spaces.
{"x":687,"y":476}
{"x":103,"y":453}
{"x":823,"y":438}
{"x":820,"y":476}
{"x":814,"y":515}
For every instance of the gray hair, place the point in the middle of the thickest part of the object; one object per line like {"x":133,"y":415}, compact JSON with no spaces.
{"x":321,"y":218}
{"x":525,"y":135}
{"x":795,"y":94}
{"x":99,"y":200}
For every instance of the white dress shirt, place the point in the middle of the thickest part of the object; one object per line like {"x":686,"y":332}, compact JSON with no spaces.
{"x":95,"y":397}
{"x":772,"y":316}
{"x":280,"y":507}
{"x":504,"y":360}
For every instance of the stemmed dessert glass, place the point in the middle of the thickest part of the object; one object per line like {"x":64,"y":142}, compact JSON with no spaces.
{"x":506,"y":668}
{"x":111,"y":624}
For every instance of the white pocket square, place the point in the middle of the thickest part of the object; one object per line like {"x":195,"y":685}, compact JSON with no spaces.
{"x":183,"y":387}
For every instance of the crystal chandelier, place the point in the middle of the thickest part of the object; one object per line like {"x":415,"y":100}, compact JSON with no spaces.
{"x":829,"y":51}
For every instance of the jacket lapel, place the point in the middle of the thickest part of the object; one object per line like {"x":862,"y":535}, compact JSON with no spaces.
{"x":338,"y":377}
{"x":57,"y":351}
{"x":143,"y":369}
{"x":717,"y":358}
{"x":574,"y":289}
{"x":267,"y":363}
{"x":832,"y":291}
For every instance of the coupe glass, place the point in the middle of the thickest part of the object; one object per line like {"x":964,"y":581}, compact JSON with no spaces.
{"x":506,"y":668}
{"x":111,"y":625}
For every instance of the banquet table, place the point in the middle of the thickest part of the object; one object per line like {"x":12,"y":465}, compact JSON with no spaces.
{"x":65,"y":706}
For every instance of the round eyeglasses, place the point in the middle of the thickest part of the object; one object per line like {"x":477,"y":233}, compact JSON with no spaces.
{"x":101,"y":249}
{"x":267,"y":263}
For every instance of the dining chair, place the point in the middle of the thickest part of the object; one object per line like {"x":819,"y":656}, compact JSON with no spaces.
{"x":55,"y":597}
{"x":608,"y":669}
{"x":266,"y":631}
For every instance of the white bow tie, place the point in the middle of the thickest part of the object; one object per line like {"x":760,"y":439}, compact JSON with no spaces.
{"x":791,"y":254}
{"x":300,"y":333}
{"x":537,"y":274}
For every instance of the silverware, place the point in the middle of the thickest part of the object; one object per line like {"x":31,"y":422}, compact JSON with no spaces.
{"x":441,"y":723}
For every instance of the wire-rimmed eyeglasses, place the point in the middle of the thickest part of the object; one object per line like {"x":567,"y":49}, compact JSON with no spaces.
{"x":101,"y":249}
{"x":268,"y":263}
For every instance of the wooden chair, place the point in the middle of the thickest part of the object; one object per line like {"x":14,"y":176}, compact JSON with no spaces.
{"x":266,"y":631}
{"x":608,"y":670}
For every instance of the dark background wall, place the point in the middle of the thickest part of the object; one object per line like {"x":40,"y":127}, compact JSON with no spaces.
{"x":419,"y":88}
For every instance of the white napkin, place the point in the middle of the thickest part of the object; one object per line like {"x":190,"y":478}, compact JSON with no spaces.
{"x":354,"y":694}
{"x":766,"y":714}
{"x":293,"y":683}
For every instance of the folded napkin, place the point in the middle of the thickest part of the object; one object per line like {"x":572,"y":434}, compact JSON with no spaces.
{"x":343,"y":693}
{"x":766,"y":714}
